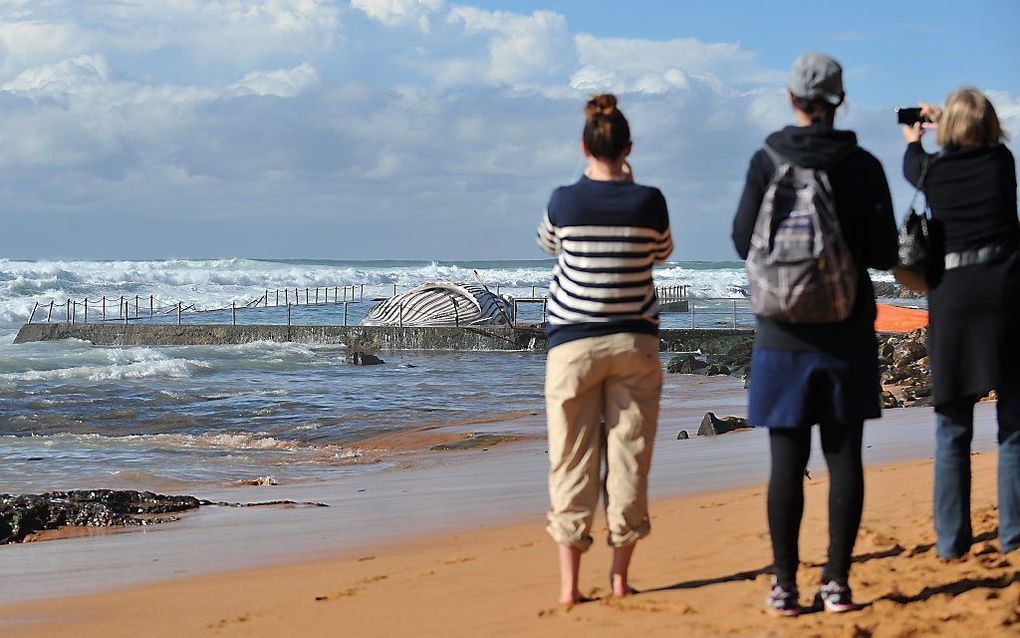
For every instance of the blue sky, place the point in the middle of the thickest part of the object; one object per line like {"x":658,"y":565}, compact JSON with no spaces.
{"x":423,"y":128}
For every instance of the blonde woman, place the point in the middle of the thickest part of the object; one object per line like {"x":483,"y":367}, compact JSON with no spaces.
{"x":974,"y":305}
{"x":603,"y":377}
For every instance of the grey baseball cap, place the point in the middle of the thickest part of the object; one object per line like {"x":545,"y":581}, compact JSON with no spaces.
{"x":816,"y":75}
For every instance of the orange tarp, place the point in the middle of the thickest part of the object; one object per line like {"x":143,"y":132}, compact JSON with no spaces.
{"x":896,"y":319}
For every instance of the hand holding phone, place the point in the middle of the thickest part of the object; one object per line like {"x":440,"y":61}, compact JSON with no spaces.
{"x":908,"y":116}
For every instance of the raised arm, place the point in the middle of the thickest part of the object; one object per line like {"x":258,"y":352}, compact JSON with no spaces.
{"x":913,"y":162}
{"x":546,"y":237}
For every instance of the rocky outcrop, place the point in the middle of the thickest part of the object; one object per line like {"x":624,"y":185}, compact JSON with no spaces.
{"x":892,"y":290}
{"x":22,"y":515}
{"x":682,"y":435}
{"x":730,"y":356}
{"x":711,"y":425}
{"x":362,"y":359}
{"x":905,"y":368}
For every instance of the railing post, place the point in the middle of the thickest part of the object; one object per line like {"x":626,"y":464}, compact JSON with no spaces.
{"x":127,"y":312}
{"x":533,"y":292}
{"x":394,"y":290}
{"x":67,"y":312}
{"x":178,"y":313}
{"x":121,"y":308}
{"x":277,"y":297}
{"x":306,"y":295}
{"x":136,"y":306}
{"x":545,"y":308}
{"x":31,"y":316}
{"x":456,"y":314}
{"x":74,"y":310}
{"x":345,"y":312}
{"x":316,"y":295}
{"x":345,"y":293}
{"x":288,"y":315}
{"x":104,"y":307}
{"x":497,"y":290}
{"x":86,"y":310}
{"x":400,"y":313}
{"x":50,"y":313}
{"x":233,"y":313}
{"x":362,"y":291}
{"x":286,"y":296}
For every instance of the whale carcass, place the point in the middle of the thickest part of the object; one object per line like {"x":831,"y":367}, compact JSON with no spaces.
{"x":442,"y":304}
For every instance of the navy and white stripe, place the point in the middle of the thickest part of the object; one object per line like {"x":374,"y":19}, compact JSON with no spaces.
{"x":606,"y":237}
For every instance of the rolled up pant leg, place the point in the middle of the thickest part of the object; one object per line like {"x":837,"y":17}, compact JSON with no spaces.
{"x":632,"y":390}
{"x":573,"y":391}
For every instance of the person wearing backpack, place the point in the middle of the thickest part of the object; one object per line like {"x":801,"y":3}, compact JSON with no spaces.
{"x":973,"y":303}
{"x":815,"y":214}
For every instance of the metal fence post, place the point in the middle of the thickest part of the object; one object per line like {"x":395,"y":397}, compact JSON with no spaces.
{"x":345,"y":312}
{"x":288,"y":315}
{"x":104,"y":307}
{"x":31,"y":316}
{"x":67,"y":311}
{"x":86,"y":310}
{"x":50,"y":313}
{"x":233,"y":313}
{"x":74,"y":310}
{"x":178,"y":313}
{"x":152,"y":305}
{"x":362,"y":291}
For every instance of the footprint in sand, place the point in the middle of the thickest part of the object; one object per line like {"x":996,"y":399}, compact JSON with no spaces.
{"x":458,"y":561}
{"x":223,"y":622}
{"x":373,"y":579}
{"x":347,"y":593}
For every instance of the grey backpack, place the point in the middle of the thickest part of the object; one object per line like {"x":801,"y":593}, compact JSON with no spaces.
{"x":799,"y":266}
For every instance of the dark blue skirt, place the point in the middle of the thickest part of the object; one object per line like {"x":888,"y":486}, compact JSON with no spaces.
{"x":792,"y":389}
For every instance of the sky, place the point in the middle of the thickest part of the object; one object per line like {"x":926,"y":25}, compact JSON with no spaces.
{"x":426,"y":129}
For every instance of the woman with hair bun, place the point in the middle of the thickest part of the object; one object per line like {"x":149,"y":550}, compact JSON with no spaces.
{"x":973,"y":305}
{"x":603,"y":376}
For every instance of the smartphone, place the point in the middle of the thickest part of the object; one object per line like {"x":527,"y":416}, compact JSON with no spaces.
{"x":910,"y":115}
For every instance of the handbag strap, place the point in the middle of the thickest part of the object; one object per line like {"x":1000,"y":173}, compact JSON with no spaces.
{"x":928,"y":159}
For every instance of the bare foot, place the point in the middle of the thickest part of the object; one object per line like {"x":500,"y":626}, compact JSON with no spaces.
{"x":574,"y":598}
{"x":621,"y":588}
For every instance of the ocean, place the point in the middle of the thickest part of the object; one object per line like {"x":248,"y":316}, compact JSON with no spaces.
{"x":173,"y":418}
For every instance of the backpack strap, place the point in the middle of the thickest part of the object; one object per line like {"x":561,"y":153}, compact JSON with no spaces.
{"x":776,"y":157}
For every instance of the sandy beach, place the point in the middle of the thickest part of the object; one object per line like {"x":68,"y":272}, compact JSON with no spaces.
{"x":486,"y":567}
{"x":702,"y":572}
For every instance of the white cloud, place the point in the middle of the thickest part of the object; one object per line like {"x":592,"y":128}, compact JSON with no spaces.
{"x":278,"y":82}
{"x":522,"y":49}
{"x":1007,"y":107}
{"x":400,"y":12}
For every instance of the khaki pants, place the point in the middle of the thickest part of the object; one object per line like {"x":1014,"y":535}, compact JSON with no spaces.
{"x":602,"y":399}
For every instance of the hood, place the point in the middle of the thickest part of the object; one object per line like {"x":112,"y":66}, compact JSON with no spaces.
{"x":812,"y":146}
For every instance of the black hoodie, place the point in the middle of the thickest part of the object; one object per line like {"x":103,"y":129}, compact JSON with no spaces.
{"x":865,"y":212}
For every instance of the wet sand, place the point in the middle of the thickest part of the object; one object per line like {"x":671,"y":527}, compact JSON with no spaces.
{"x":702,"y":572}
{"x":455,"y":546}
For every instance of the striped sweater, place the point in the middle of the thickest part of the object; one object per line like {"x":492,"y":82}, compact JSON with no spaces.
{"x":606,"y":236}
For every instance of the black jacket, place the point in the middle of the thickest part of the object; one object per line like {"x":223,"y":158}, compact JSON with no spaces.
{"x":864,"y":208}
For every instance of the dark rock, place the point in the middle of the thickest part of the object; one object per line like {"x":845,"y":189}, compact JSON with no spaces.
{"x":685,"y":364}
{"x":682,"y":435}
{"x":711,"y":425}
{"x":22,"y":515}
{"x":891,"y":290}
{"x":362,"y":359}
{"x":889,"y":400}
{"x":714,"y":370}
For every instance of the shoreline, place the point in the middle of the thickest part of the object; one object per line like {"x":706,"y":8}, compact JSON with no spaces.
{"x":702,"y":572}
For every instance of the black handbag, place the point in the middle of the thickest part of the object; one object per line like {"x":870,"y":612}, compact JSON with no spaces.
{"x":916,"y":249}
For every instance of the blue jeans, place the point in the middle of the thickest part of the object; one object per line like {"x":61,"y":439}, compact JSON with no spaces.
{"x":954,"y":429}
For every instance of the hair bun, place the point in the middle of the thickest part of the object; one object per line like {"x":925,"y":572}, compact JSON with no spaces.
{"x":601,"y":105}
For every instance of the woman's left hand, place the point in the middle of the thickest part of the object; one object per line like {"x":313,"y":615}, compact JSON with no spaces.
{"x":913,"y":133}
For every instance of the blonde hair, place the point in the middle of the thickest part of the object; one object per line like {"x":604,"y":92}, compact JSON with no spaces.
{"x":969,"y":121}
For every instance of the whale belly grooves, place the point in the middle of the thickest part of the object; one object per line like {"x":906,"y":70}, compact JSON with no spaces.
{"x":442,"y":304}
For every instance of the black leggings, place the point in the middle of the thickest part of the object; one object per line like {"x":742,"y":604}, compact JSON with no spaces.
{"x":791,"y":448}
